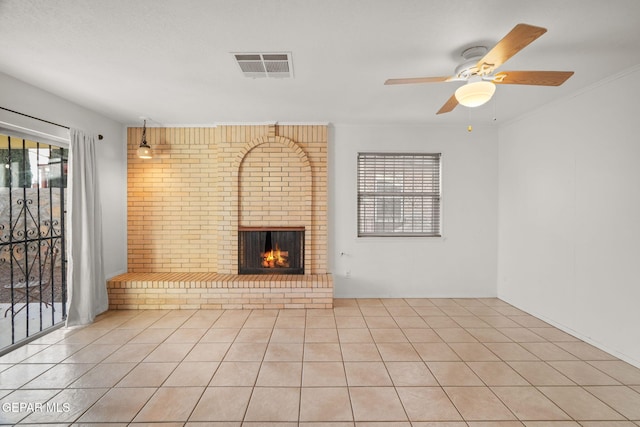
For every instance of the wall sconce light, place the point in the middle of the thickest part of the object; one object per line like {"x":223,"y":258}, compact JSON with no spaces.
{"x":144,"y":151}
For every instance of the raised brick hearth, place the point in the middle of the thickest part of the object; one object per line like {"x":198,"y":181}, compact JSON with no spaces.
{"x":219,"y":291}
{"x":185,"y":207}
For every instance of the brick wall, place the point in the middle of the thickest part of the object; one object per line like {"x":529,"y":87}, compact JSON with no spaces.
{"x":185,"y":204}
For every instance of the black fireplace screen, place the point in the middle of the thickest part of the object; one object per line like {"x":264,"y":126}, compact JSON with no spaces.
{"x":271,"y":251}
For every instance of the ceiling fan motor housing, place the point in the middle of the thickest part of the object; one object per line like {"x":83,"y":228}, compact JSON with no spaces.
{"x":471,"y":57}
{"x":468,"y":68}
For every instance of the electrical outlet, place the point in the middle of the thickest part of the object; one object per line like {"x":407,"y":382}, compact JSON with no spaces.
{"x":348,"y":274}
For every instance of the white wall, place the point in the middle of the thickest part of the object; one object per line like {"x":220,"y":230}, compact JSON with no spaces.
{"x":27,"y":99}
{"x":460,"y":264}
{"x":569,"y":215}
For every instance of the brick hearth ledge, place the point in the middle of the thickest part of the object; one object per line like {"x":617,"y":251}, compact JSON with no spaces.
{"x":219,"y":291}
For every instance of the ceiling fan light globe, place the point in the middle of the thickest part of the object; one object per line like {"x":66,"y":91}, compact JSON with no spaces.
{"x":475,"y":94}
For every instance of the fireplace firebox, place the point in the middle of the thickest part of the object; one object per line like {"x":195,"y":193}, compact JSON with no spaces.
{"x":277,"y":250}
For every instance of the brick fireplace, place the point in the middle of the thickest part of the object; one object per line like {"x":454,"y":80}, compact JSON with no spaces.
{"x":187,"y":205}
{"x":266,"y":250}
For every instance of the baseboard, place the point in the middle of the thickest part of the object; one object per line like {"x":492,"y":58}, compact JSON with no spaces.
{"x":577,"y":334}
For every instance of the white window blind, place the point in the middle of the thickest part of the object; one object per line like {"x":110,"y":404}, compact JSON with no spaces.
{"x":398,"y":194}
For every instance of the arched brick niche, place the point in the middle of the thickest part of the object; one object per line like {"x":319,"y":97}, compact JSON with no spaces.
{"x":275,"y":187}
{"x":272,"y":181}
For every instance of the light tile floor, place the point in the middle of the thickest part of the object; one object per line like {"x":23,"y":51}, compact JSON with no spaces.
{"x":366,"y":363}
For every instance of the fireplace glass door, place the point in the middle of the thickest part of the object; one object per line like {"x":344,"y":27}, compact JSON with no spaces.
{"x":271,"y":251}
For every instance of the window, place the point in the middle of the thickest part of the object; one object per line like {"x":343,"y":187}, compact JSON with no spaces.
{"x":398,"y":194}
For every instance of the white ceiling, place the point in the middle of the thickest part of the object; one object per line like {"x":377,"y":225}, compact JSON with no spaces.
{"x":170,"y":60}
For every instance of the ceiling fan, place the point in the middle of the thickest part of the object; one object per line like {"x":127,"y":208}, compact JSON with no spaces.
{"x":479,"y":70}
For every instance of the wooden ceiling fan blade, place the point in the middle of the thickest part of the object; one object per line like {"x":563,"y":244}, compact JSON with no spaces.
{"x":535,"y":78}
{"x":416,"y":80}
{"x":449,"y":105}
{"x":518,"y":38}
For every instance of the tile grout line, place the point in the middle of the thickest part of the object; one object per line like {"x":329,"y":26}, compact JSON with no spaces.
{"x":76,"y":418}
{"x":156,"y":347}
{"x":67,"y":387}
{"x":214,"y":372}
{"x":464,"y":360}
{"x":304,"y":333}
{"x":255,"y":382}
{"x":344,"y":369}
{"x":436,"y":378}
{"x":501,"y":359}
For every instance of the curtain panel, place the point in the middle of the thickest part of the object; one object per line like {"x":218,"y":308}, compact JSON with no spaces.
{"x":87,"y":291}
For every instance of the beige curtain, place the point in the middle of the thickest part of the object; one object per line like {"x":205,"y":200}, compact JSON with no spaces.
{"x":87,"y":291}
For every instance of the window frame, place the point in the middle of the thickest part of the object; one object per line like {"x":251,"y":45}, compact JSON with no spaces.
{"x":431,"y":216}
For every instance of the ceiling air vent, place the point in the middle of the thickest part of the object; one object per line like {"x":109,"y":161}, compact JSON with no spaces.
{"x":273,"y":65}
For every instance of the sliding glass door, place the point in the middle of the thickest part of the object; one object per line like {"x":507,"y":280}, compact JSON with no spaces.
{"x":33,"y":182}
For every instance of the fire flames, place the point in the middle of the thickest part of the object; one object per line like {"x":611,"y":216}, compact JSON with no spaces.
{"x":275,"y":258}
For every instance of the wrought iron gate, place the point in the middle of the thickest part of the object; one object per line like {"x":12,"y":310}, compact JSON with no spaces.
{"x":33,"y":181}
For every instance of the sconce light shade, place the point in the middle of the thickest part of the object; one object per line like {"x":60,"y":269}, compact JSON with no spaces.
{"x":474,"y":94}
{"x":144,"y":151}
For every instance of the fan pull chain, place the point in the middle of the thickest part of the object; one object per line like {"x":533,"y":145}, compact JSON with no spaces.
{"x":494,"y":108}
